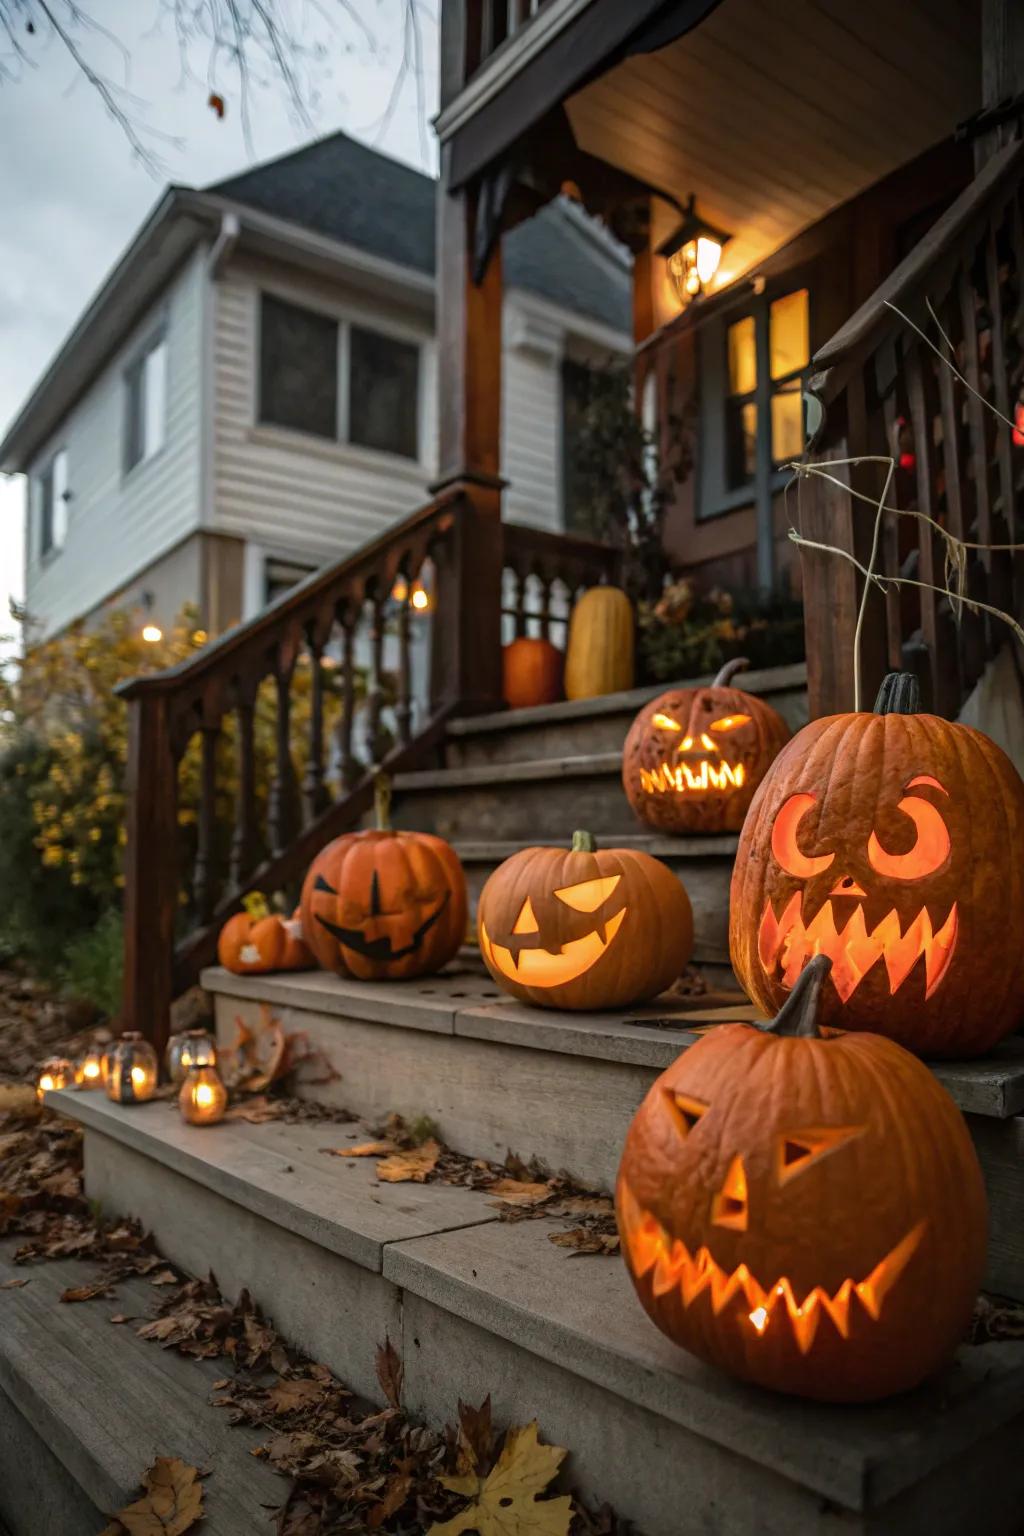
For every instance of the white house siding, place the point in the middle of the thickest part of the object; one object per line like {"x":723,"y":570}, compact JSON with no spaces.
{"x":295,"y":496}
{"x":117,"y":523}
{"x":531,"y":432}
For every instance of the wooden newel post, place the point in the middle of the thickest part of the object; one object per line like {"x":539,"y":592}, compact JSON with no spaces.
{"x":150,"y":869}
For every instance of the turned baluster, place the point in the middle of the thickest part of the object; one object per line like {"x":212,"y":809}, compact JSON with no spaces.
{"x":348,"y":701}
{"x":203,"y":872}
{"x":313,"y":794}
{"x":403,"y":707}
{"x":545,"y":606}
{"x":243,"y":841}
{"x":277,"y":801}
{"x":521,"y":580}
{"x":375,"y":687}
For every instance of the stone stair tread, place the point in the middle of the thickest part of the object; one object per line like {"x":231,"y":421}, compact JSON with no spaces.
{"x":508,"y":1279}
{"x":589,"y":765}
{"x":495,"y":850}
{"x":282,"y":1173}
{"x":107,"y":1403}
{"x":764,"y":680}
{"x":467,"y":1004}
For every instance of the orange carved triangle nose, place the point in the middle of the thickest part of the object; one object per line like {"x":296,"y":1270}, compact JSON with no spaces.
{"x":729,"y":1206}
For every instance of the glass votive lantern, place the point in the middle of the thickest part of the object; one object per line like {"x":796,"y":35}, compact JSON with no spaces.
{"x":133,"y":1071}
{"x":55,"y":1073}
{"x":90,"y":1068}
{"x":191,"y":1048}
{"x":203,"y":1097}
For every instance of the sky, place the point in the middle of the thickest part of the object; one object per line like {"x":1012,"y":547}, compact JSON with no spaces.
{"x":73,"y":192}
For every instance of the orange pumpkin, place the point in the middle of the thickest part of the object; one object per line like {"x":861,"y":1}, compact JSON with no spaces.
{"x":384,"y":905}
{"x":531,"y":671}
{"x":591,"y":928}
{"x":804,"y":1209}
{"x":891,"y":842}
{"x":257,"y":941}
{"x":694,"y":756}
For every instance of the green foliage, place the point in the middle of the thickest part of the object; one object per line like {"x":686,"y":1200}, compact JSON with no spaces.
{"x":92,"y":968}
{"x":686,"y":634}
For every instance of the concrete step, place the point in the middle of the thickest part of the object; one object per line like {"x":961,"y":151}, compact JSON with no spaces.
{"x":563,"y":1087}
{"x":479,"y":1306}
{"x":598,"y":725}
{"x":703,"y":864}
{"x":85,"y":1408}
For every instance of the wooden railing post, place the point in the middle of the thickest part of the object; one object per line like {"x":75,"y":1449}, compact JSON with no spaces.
{"x":465,"y":656}
{"x":150,"y":869}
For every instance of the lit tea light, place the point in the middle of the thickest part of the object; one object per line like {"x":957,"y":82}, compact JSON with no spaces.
{"x":90,"y":1068}
{"x":132,"y":1070}
{"x":203,"y":1097}
{"x":53,"y":1074}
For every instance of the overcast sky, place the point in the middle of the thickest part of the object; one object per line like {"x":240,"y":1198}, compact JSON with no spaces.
{"x":72,"y":193}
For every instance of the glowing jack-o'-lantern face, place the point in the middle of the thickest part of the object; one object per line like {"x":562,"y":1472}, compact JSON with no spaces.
{"x":694,"y":757}
{"x":745,"y":1218}
{"x":585,"y":929}
{"x":868,"y":843}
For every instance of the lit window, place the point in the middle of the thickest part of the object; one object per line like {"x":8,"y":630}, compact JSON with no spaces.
{"x":146,"y":404}
{"x":789,"y":353}
{"x":741,"y":408}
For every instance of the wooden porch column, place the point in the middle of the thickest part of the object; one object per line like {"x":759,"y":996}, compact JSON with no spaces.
{"x":1002,"y":69}
{"x":466,"y":659}
{"x":150,"y":870}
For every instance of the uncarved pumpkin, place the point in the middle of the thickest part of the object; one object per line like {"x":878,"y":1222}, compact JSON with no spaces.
{"x":584,"y":929}
{"x":531,"y":670}
{"x":804,"y":1211}
{"x":694,"y":756}
{"x":257,"y":941}
{"x":892,"y":842}
{"x":384,"y":905}
{"x":599,"y":655}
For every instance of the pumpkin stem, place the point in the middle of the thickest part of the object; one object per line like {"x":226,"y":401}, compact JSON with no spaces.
{"x":584,"y":842}
{"x":900,"y":694}
{"x":382,"y":801}
{"x":255,"y":904}
{"x":798,"y":1015}
{"x":728,"y":672}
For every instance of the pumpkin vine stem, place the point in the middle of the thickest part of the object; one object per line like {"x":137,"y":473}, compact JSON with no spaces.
{"x":798,"y":1015}
{"x":584,"y":842}
{"x":900,"y":694}
{"x":728,"y":672}
{"x":382,"y":801}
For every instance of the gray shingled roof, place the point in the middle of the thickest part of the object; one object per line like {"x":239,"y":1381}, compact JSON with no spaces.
{"x":343,"y":189}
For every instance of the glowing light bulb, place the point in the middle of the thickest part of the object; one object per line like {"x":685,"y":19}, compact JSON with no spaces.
{"x":46,"y":1083}
{"x":709,"y":254}
{"x":138,"y":1076}
{"x":204,"y":1095}
{"x":152,"y":633}
{"x":420,"y":599}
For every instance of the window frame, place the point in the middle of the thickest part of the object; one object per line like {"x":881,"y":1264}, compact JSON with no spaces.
{"x":346,"y":318}
{"x":55,"y":524}
{"x":135,"y":385}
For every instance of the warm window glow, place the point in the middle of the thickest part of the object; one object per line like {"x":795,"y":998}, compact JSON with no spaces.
{"x":742,"y":348}
{"x":730,"y":723}
{"x":589,"y":895}
{"x":789,"y":334}
{"x":666,"y":723}
{"x":152,"y":633}
{"x":787,"y":423}
{"x":784,"y":844}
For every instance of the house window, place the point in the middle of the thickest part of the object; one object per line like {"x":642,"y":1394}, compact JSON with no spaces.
{"x":52,"y":501}
{"x":577,"y":513}
{"x":298,"y":368}
{"x":751,"y":383}
{"x":280,"y":576}
{"x":299,"y":372}
{"x":146,"y":403}
{"x":383,"y":392}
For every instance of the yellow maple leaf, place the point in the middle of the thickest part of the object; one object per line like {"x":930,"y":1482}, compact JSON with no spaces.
{"x":410,"y":1167}
{"x":171,"y":1505}
{"x":505,"y":1502}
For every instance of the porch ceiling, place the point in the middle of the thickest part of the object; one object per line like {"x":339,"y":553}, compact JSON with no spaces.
{"x":775,"y":111}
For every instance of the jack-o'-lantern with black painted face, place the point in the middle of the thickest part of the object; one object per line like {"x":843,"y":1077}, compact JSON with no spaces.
{"x":892,"y":842}
{"x":694,"y":756}
{"x":584,"y":929}
{"x":382,"y":905}
{"x":787,"y":1221}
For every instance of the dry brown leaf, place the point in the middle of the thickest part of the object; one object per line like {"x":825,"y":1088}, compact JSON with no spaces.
{"x":505,"y":1501}
{"x":13,"y":1285}
{"x":161,"y":1328}
{"x":395,"y":1494}
{"x":17,"y":1099}
{"x":165,"y":1277}
{"x":290,"y":1395}
{"x":172,"y":1502}
{"x":389,"y":1372}
{"x":255,"y":1111}
{"x":519,"y":1191}
{"x":581,"y":1241}
{"x":410,"y":1167}
{"x":120,"y":1317}
{"x":364,"y":1149}
{"x":87,"y":1292}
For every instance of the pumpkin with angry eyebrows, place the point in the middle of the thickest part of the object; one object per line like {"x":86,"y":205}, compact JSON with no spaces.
{"x":786,"y":1220}
{"x":893,"y":842}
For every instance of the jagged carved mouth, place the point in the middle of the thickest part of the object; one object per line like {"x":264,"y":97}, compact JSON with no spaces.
{"x":534,"y":967}
{"x":681,"y":779}
{"x":785,"y":944}
{"x":381,"y":948}
{"x":761,"y":1308}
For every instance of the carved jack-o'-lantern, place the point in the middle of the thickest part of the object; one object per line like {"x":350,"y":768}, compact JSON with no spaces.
{"x":384,"y":905}
{"x":805,"y":1211}
{"x":694,"y":756}
{"x":257,"y":940}
{"x":591,"y":928}
{"x":891,"y":842}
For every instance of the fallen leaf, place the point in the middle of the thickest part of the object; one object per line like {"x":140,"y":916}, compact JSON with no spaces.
{"x":519,"y":1191}
{"x":364,"y":1149}
{"x":161,"y":1328}
{"x":17,"y":1098}
{"x":582,"y":1241}
{"x":87,"y":1292}
{"x":172,"y":1502}
{"x":255,"y":1111}
{"x":389,"y":1372}
{"x":395,"y":1495}
{"x":476,"y":1437}
{"x":505,"y":1502}
{"x":165,"y":1277}
{"x":13,"y":1285}
{"x":290,"y":1395}
{"x":410,"y":1167}
{"x":120,"y":1317}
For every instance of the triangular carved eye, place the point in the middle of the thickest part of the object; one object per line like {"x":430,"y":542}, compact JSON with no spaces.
{"x":686,"y":1110}
{"x":798,"y":1149}
{"x":526,"y":922}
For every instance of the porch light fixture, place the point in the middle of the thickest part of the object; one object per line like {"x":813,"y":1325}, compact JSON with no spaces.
{"x":693,"y":252}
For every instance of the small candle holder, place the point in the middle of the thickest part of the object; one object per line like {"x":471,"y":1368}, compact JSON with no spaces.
{"x":203,"y":1097}
{"x":191,"y":1048}
{"x":90,"y":1068}
{"x":57,"y":1072}
{"x":133,"y":1070}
